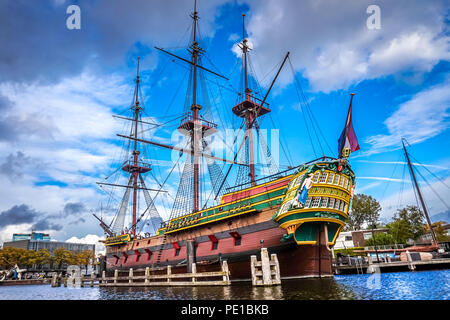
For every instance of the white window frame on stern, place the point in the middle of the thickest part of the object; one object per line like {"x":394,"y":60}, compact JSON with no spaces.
{"x":316,"y":202}
{"x":330,"y":178}
{"x":324,"y":202}
{"x":331,"y":203}
{"x":336,"y":180}
{"x":316,"y":177}
{"x":308,"y":202}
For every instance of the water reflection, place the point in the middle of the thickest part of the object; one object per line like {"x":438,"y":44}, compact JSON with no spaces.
{"x":401,"y":285}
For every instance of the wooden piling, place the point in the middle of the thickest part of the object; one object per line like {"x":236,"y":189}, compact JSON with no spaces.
{"x":226,"y":276}
{"x":267,"y":271}
{"x":54,"y":280}
{"x":275,"y":269}
{"x":82,"y":280}
{"x":130,"y":276}
{"x":193,"y":272}
{"x":169,"y":272}
{"x":147,"y":275}
{"x":92,"y":279}
{"x":116,"y":275}
{"x":104,"y":277}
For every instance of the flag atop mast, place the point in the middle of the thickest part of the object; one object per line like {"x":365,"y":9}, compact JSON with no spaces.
{"x":347,"y":141}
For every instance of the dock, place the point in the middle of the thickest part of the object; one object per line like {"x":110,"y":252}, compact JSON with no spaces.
{"x":390,"y":266}
{"x":133,"y":278}
{"x":24,"y":282}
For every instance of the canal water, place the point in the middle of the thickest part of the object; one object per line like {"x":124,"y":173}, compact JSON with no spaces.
{"x":419,"y":285}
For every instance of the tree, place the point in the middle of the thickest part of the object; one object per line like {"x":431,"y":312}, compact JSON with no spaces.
{"x":440,"y":231}
{"x":365,"y":209}
{"x":408,"y":223}
{"x":62,"y":256}
{"x":10,"y":256}
{"x":84,"y":258}
{"x":380,"y":239}
{"x":42,"y":257}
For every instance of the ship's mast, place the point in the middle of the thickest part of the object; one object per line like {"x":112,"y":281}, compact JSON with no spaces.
{"x":249,"y":109}
{"x":413,"y":176}
{"x":195,"y":111}
{"x":136,"y":152}
{"x":249,"y":114}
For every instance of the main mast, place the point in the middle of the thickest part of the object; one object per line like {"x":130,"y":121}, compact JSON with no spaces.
{"x":195,"y":111}
{"x":249,"y":109}
{"x":413,"y":176}
{"x":249,"y":116}
{"x":136,"y":152}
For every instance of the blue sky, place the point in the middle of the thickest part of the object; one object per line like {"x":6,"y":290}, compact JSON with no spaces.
{"x":59,"y":88}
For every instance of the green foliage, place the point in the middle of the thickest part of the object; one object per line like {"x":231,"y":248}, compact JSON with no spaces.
{"x":63,"y":256}
{"x":12,"y":256}
{"x":365,"y":209}
{"x":408,"y":223}
{"x":440,"y":232}
{"x":379,"y":239}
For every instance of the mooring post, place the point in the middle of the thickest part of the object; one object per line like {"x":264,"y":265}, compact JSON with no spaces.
{"x":116,"y":275}
{"x":190,"y":254}
{"x":169,"y":273}
{"x":193,"y":272}
{"x":265,"y":266}
{"x":82,"y":280}
{"x":147,"y":275}
{"x":276,"y":265}
{"x":253,"y":269}
{"x":130,"y":276}
{"x":103,"y":277}
{"x":54,"y":280}
{"x":226,"y":276}
{"x":92,"y":279}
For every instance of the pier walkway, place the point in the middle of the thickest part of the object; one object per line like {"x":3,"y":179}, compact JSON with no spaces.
{"x":389,"y":266}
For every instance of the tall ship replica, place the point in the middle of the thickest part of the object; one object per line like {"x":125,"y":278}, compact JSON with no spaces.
{"x":295,"y":213}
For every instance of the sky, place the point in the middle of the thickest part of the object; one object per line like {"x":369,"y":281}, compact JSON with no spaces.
{"x":59,"y":88}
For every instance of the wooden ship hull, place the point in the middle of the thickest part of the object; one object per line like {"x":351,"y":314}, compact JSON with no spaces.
{"x":246,"y":221}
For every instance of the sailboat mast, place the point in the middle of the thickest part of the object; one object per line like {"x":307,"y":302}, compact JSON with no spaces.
{"x":411,"y":169}
{"x":195,"y":112}
{"x":135,"y":152}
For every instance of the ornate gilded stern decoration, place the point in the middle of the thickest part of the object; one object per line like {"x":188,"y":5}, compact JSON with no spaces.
{"x":318,"y":193}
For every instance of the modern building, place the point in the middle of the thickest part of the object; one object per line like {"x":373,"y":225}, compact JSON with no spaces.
{"x":36,"y":245}
{"x":31,"y":236}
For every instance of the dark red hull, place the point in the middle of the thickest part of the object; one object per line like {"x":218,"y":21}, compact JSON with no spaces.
{"x":295,"y":261}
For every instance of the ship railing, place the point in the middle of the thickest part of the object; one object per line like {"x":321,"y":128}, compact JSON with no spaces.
{"x":277,"y":175}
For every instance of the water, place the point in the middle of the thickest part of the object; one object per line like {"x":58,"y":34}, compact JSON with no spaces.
{"x":420,"y":285}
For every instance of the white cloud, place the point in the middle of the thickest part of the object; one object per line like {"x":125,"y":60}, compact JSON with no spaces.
{"x":90,"y":239}
{"x":332,"y":47}
{"x":422,"y":117}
